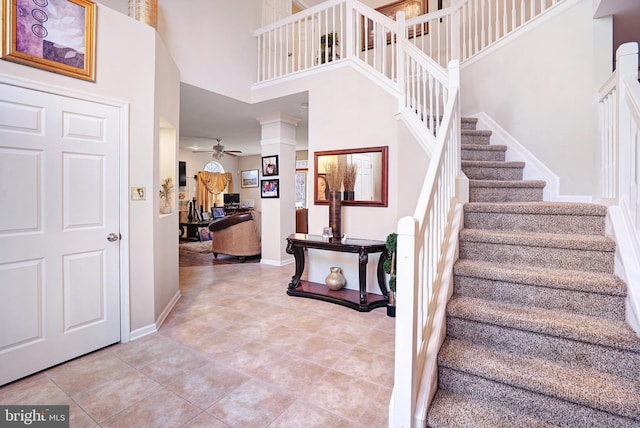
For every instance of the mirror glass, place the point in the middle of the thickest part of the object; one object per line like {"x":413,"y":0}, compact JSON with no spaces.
{"x":371,"y":175}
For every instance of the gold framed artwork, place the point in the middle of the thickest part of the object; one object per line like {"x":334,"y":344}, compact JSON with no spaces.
{"x":411,"y":9}
{"x":53,"y":35}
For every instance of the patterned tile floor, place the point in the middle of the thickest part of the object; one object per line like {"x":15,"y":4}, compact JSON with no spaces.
{"x":235,"y":352}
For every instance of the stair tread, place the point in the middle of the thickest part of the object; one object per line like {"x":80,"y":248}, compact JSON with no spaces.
{"x":492,"y":164}
{"x":482,"y":132}
{"x":576,"y":280}
{"x":568,"y":325}
{"x":448,"y":409}
{"x":585,"y":387}
{"x":536,"y":239}
{"x":507,"y":183}
{"x":555,"y":208}
{"x":486,"y":147}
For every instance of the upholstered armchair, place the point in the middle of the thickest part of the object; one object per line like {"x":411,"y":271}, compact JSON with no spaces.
{"x":237,"y":235}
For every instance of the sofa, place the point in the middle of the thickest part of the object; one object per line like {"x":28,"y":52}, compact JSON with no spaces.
{"x":237,"y":235}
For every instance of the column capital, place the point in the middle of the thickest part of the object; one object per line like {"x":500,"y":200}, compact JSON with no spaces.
{"x":278,"y":118}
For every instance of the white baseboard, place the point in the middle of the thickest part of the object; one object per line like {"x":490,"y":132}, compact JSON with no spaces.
{"x":143,"y":331}
{"x":534,"y":169}
{"x":284,"y":262}
{"x":153,"y":328}
{"x":167,"y":310}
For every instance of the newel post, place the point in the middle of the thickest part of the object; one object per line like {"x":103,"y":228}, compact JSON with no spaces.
{"x":626,"y":66}
{"x":401,"y":58}
{"x":405,"y":388}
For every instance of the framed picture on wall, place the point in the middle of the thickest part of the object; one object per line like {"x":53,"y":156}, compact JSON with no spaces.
{"x":53,"y":35}
{"x":249,"y":178}
{"x":270,"y":165}
{"x":301,"y":189}
{"x":270,"y":188}
{"x":411,"y":9}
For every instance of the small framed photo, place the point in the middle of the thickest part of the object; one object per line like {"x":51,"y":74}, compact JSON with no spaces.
{"x":249,"y":178}
{"x":270,"y":165}
{"x":57,"y":36}
{"x":270,"y":188}
{"x":302,"y":165}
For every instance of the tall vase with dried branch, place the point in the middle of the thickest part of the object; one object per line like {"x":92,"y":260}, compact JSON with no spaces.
{"x":335,"y":173}
{"x":166,"y":188}
{"x":349,"y":181}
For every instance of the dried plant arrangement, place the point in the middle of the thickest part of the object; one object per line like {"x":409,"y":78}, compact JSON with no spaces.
{"x":349,"y":177}
{"x":335,"y":173}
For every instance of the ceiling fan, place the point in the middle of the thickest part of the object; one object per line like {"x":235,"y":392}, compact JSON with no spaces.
{"x":217,"y":151}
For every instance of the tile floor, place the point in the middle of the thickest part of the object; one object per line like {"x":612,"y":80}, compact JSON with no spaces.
{"x":235,"y":352}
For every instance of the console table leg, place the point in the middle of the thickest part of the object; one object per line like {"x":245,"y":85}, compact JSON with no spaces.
{"x":363,"y":259}
{"x":298,"y":254}
{"x":381,"y":275}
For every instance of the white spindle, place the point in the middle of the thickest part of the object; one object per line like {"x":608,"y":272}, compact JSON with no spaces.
{"x":532,"y":12}
{"x":476,"y":16}
{"x":505,"y":28}
{"x":483,"y":40}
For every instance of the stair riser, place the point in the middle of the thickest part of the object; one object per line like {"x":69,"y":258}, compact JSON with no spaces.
{"x":544,"y":223}
{"x":549,"y":409}
{"x":476,"y":139}
{"x":564,"y":351}
{"x":483,"y":155}
{"x":468,"y":124}
{"x":480,"y":173}
{"x":502,"y":194}
{"x":560,"y":258}
{"x":579,"y":302}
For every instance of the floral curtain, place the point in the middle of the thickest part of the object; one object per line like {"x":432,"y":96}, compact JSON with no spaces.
{"x":210,"y":185}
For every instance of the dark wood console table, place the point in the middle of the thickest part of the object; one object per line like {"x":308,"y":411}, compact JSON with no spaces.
{"x":355,"y":299}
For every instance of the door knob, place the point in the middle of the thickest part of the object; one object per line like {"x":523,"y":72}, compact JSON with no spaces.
{"x":113,"y":237}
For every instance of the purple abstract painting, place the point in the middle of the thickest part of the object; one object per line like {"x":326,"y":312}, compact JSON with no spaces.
{"x":52,"y":30}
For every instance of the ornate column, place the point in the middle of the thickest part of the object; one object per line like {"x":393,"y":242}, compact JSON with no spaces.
{"x":144,"y":11}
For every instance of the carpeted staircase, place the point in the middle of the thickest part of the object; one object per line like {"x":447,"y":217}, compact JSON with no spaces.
{"x":536,"y":335}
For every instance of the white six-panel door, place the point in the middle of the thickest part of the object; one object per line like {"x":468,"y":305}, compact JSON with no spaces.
{"x":59,"y":275}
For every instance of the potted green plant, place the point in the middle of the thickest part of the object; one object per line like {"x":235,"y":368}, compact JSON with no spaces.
{"x":326,"y":47}
{"x":389,"y":267}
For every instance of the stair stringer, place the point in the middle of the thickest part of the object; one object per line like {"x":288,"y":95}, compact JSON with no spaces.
{"x":627,"y":263}
{"x":418,"y":130}
{"x":534,"y":168}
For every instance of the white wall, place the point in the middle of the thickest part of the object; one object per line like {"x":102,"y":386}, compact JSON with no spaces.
{"x":542,"y":89}
{"x":212,"y":42}
{"x":127,"y":76}
{"x":167,"y":105}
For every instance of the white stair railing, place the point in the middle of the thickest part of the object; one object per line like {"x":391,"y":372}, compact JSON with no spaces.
{"x":619,"y":111}
{"x":424,"y":265}
{"x":468,"y":27}
{"x":331,"y":31}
